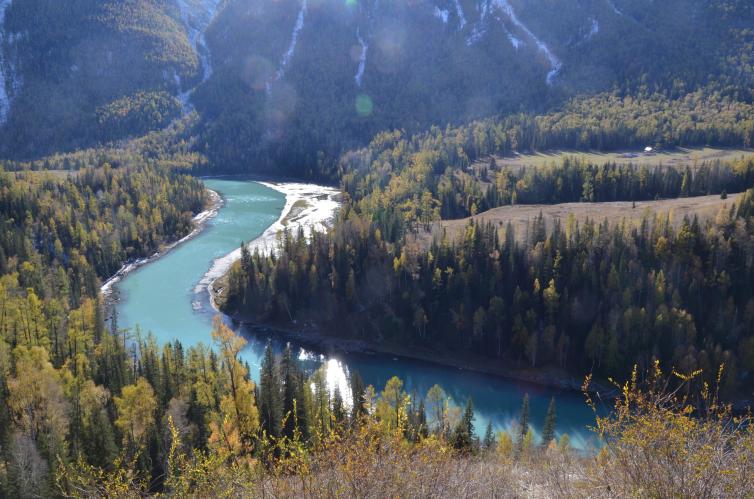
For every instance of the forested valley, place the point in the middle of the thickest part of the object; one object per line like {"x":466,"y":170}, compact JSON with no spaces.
{"x":426,"y":115}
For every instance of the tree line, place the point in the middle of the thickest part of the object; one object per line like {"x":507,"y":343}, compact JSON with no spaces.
{"x":75,"y":228}
{"x":82,"y":398}
{"x":404,"y":182}
{"x":596,"y":297}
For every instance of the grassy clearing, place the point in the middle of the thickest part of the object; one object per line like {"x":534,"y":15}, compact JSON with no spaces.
{"x":705,"y":207}
{"x":42,"y":175}
{"x":675,"y":157}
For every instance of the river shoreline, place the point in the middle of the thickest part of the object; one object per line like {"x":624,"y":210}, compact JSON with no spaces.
{"x":312,"y":337}
{"x":315,"y":216}
{"x":107,"y":289}
{"x":313,"y":207}
{"x":307,"y":206}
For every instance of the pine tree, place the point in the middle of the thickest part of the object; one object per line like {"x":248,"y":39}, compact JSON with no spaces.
{"x":338,"y":406}
{"x":463,"y":435}
{"x":320,"y":404}
{"x":417,"y":420}
{"x":523,"y":420}
{"x":548,"y":432}
{"x":270,"y":404}
{"x":421,"y":419}
{"x":246,"y":263}
{"x":358,"y":389}
{"x":293,"y":403}
{"x":489,"y":437}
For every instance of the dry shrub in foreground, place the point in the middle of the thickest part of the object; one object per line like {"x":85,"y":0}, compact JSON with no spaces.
{"x":364,"y":463}
{"x":371,"y":463}
{"x":663,"y":442}
{"x":656,"y":444}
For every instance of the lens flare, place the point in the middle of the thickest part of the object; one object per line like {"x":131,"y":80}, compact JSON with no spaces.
{"x":364,"y":105}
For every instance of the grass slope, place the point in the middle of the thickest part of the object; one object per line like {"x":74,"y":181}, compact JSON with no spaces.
{"x":520,"y":216}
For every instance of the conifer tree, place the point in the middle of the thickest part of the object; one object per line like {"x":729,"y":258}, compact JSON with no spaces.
{"x":523,"y":422}
{"x":463,"y":435}
{"x":358,"y":390}
{"x":294,"y":405}
{"x":338,"y":406}
{"x":270,"y":403}
{"x":421,"y":418}
{"x":320,"y":404}
{"x":417,"y":420}
{"x":548,"y":431}
{"x":489,"y":437}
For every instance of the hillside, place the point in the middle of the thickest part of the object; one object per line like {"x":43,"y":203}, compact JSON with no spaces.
{"x":273,"y":94}
{"x":285,"y":96}
{"x":83,"y":72}
{"x":549,"y":190}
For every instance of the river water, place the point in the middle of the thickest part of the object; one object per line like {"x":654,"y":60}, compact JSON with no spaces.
{"x":162,"y":297}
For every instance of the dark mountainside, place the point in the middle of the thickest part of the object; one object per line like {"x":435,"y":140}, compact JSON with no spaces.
{"x":272,"y":93}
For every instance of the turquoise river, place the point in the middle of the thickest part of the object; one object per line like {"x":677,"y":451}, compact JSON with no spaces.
{"x":162,"y":297}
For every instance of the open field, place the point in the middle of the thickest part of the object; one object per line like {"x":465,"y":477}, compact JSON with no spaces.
{"x":705,"y":207}
{"x":675,"y":157}
{"x":39,"y":175}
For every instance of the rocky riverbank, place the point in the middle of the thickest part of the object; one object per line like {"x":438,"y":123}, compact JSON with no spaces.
{"x":307,"y":206}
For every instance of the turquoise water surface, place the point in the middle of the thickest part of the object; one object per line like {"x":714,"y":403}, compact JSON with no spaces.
{"x":161,"y":298}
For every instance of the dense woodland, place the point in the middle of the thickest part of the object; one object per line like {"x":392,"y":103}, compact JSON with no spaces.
{"x":88,"y":408}
{"x":124,"y":417}
{"x":91,"y":221}
{"x":414,"y":198}
{"x":99,"y":91}
{"x":595,"y":297}
{"x":592,"y":298}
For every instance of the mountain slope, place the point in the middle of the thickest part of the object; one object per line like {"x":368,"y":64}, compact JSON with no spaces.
{"x":75,"y":61}
{"x":288,"y":85}
{"x":359,"y":68}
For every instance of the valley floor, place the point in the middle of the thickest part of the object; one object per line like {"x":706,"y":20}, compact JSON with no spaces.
{"x":520,"y":216}
{"x":679,"y":157}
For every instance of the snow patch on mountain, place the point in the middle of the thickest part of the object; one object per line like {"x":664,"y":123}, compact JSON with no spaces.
{"x":480,"y":28}
{"x":615,"y":9}
{"x":460,"y":14}
{"x":442,"y":14}
{"x":362,"y":58}
{"x":476,"y":34}
{"x":555,"y":64}
{"x":516,"y":42}
{"x":9,"y":82}
{"x":594,"y":29}
{"x":197,"y":15}
{"x":483,"y":9}
{"x":286,"y":60}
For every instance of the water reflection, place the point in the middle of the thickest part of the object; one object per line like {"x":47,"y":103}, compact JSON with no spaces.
{"x":496,"y":400}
